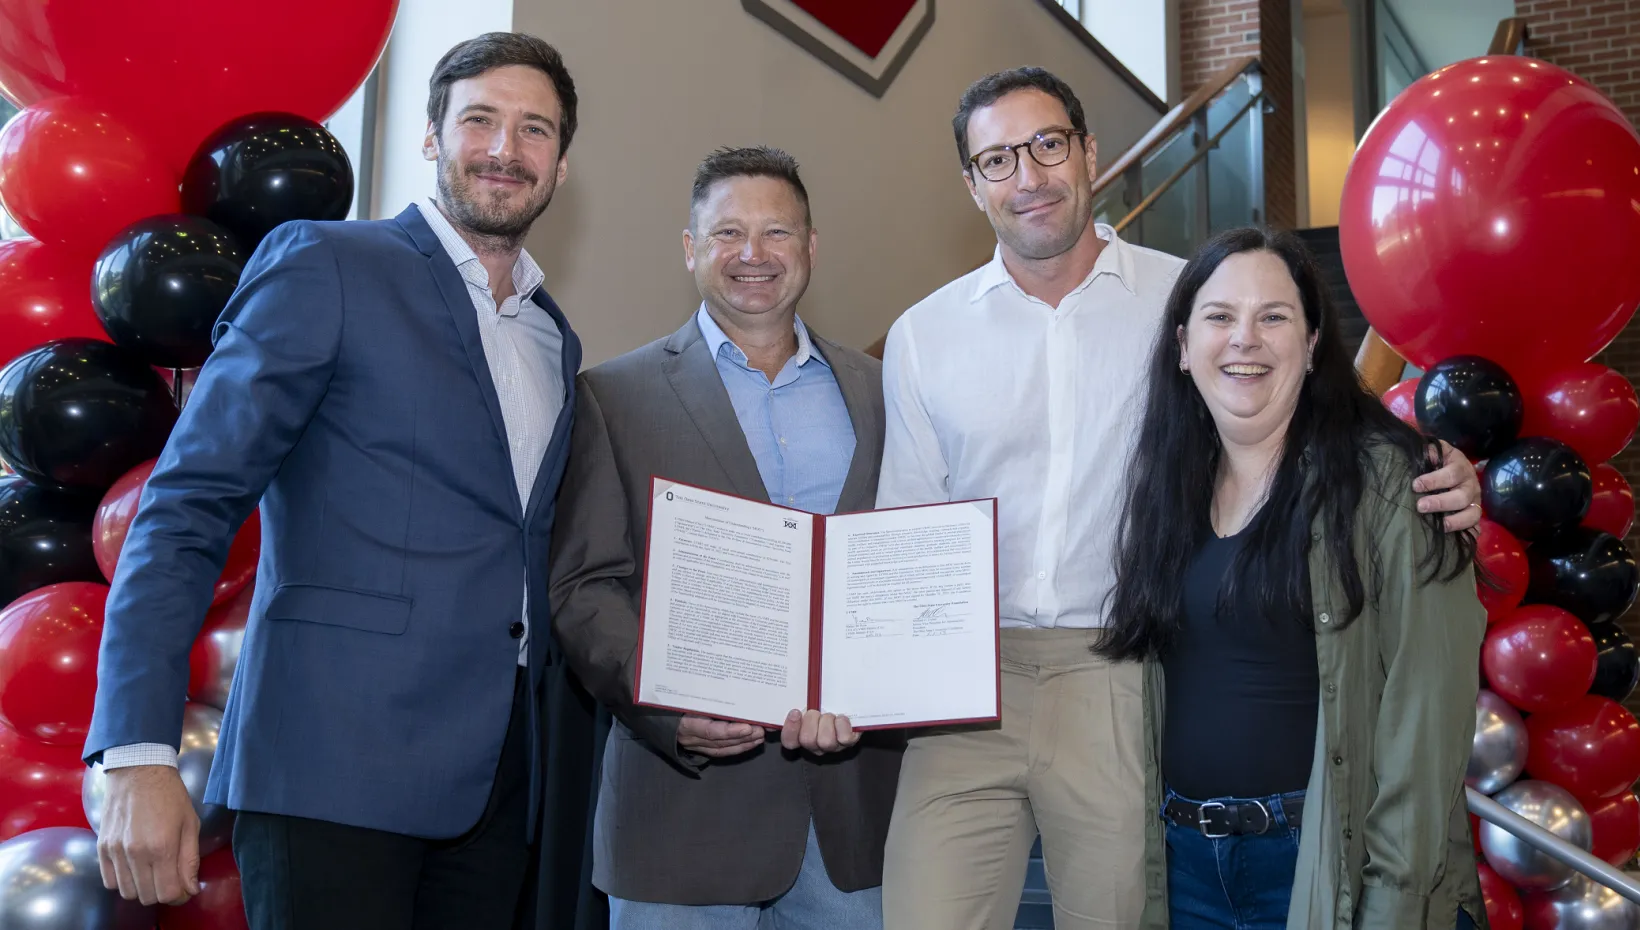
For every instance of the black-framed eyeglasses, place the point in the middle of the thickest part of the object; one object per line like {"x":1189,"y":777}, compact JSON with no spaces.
{"x":1048,"y":148}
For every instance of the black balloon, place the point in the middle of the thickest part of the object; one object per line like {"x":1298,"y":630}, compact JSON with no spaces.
{"x":1618,"y":670}
{"x":1537,"y":486}
{"x":76,"y":414}
{"x":161,"y":284}
{"x":265,"y":169}
{"x":1584,"y":571}
{"x":45,"y":538}
{"x":1470,"y":402}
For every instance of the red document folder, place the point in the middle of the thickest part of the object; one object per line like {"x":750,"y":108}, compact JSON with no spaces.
{"x":717,"y":554}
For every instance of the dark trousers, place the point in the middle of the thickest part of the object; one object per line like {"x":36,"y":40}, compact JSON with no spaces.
{"x":299,"y":874}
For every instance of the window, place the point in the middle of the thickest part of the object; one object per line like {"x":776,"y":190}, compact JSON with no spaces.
{"x":8,"y":227}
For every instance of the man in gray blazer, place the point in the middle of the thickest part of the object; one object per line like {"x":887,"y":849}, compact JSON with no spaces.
{"x":706,"y":823}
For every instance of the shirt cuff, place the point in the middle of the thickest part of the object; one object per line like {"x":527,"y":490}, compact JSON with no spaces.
{"x":119,"y":757}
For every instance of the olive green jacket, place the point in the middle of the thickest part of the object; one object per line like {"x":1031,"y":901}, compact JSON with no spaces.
{"x":1385,"y":842}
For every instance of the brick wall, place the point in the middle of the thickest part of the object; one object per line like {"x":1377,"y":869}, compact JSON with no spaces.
{"x":1280,"y":158}
{"x":1212,"y":33}
{"x":1597,"y":41}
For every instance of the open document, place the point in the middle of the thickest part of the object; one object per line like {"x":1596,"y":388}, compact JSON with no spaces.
{"x":751,"y":610}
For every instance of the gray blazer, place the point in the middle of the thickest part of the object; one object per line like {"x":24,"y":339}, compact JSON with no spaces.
{"x":674,"y":827}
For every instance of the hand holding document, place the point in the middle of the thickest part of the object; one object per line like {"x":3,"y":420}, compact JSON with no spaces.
{"x":887,"y":617}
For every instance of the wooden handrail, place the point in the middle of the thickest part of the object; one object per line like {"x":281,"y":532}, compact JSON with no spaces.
{"x":1379,"y":365}
{"x":1174,"y":120}
{"x":1510,"y":35}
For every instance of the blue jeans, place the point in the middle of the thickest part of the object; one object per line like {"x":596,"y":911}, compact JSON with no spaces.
{"x":812,"y":903}
{"x":1236,"y":882}
{"x":1232,"y":882}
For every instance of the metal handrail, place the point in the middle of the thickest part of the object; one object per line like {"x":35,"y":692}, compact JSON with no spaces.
{"x":1194,"y":159}
{"x":1535,"y":836}
{"x":1176,"y":119}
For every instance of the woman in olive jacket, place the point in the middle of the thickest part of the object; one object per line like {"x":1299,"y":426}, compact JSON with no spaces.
{"x":1311,"y":641}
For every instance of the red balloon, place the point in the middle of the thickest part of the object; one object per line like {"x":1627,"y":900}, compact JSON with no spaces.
{"x":1590,"y":747}
{"x":39,"y":786}
{"x":48,"y":661}
{"x":71,"y":173}
{"x":1612,"y":508}
{"x":1539,"y":658}
{"x":177,"y":70}
{"x":218,"y":906}
{"x":1399,"y":401}
{"x":119,"y":508}
{"x":45,"y":294}
{"x":1587,"y":406}
{"x":240,"y":567}
{"x":1616,"y":826}
{"x":1503,"y":907}
{"x":1503,"y":558}
{"x":114,"y":516}
{"x":1471,"y":182}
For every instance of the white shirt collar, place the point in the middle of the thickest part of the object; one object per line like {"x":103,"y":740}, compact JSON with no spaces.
{"x":1115,"y":259}
{"x":716,"y":338}
{"x":526,"y":274}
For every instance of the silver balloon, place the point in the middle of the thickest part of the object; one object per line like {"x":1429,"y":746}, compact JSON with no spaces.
{"x":49,"y":880}
{"x":1585,"y":904}
{"x":200,"y":726}
{"x":220,"y":645}
{"x":1554,"y":809}
{"x":1500,"y":745}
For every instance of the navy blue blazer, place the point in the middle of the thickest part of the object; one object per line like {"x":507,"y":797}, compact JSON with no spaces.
{"x":348,"y":394}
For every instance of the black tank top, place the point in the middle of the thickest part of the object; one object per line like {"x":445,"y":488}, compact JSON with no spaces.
{"x":1241,"y":691}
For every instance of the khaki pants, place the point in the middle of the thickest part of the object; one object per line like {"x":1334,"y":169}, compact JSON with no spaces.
{"x":1068,"y":760}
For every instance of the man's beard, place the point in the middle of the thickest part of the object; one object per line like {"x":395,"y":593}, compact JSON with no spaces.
{"x":490,"y":217}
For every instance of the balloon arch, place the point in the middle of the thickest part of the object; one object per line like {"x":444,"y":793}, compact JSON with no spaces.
{"x":156,"y":144}
{"x":1488,"y":229}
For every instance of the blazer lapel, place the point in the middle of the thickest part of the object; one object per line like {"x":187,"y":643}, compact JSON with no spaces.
{"x":546,"y":476}
{"x":863,"y":397}
{"x":694,"y":378}
{"x":456,"y":300}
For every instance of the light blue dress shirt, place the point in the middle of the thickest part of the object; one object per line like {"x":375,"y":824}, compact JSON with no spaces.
{"x":796,"y":425}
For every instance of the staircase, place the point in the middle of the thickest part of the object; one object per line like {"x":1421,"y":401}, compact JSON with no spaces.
{"x":1035,"y":905}
{"x":1323,"y":242}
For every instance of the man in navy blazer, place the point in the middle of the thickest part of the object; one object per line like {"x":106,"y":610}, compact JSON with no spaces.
{"x":397,"y":397}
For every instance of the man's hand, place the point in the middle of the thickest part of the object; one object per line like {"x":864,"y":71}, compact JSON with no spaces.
{"x":717,"y":739}
{"x":818,"y":733}
{"x":149,"y":843}
{"x":1452,"y":489}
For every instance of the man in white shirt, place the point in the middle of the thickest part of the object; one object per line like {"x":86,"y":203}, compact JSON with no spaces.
{"x":1023,"y":380}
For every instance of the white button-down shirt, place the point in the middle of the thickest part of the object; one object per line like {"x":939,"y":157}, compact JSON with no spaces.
{"x":525,"y":352}
{"x":992,"y":393}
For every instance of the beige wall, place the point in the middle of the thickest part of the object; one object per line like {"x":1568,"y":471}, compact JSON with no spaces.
{"x":1329,"y":107}
{"x":663,"y":82}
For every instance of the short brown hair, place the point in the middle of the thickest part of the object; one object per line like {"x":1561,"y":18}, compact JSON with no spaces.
{"x":757,"y":161}
{"x":993,"y":87}
{"x":498,"y":50}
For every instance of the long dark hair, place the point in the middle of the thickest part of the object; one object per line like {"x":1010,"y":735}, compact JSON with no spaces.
{"x":1324,"y":469}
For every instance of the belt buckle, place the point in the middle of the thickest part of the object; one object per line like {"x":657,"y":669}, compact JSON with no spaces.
{"x":1201,"y":820}
{"x":1269,"y":819}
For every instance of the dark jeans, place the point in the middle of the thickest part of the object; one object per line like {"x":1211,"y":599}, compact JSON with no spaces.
{"x":299,"y":874}
{"x":1236,"y":882}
